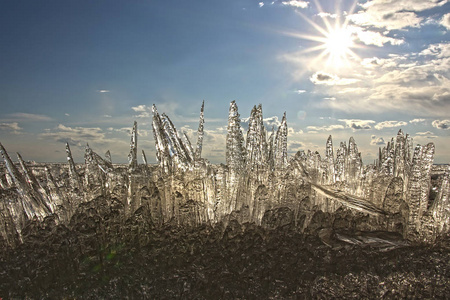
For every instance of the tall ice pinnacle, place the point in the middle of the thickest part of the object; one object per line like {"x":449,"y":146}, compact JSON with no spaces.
{"x":198,"y":150}
{"x":235,"y":139}
{"x":329,"y":161}
{"x":256,"y":140}
{"x":74,"y":177}
{"x":132,"y":157}
{"x":280,"y":152}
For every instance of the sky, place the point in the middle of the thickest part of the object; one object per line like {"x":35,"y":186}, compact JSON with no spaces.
{"x":82,"y":71}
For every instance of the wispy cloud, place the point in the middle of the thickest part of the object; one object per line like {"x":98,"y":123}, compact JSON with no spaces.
{"x":325,"y":128}
{"x":426,"y":134}
{"x":25,"y":117}
{"x":390,"y":124}
{"x":261,"y":4}
{"x":300,"y":91}
{"x":356,"y":124}
{"x":103,"y":91}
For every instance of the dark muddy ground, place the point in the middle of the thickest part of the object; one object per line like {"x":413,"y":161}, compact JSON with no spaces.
{"x":100,"y":256}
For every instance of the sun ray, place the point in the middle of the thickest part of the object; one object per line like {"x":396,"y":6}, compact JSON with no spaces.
{"x":352,"y":9}
{"x":313,"y":24}
{"x":335,"y":41}
{"x":325,"y":20}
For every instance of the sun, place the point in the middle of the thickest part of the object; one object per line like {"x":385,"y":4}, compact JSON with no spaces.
{"x":335,"y":42}
{"x":337,"y":45}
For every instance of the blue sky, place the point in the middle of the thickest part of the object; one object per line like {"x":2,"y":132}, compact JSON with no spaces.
{"x":83,"y":71}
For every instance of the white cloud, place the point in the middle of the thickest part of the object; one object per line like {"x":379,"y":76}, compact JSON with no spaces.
{"x":272,"y":121}
{"x":13,"y":126}
{"x":143,"y":110}
{"x":300,"y":91}
{"x":390,"y":124}
{"x":261,"y":4}
{"x":324,"y":128}
{"x":300,"y":4}
{"x":107,"y":116}
{"x":392,"y":15}
{"x":439,"y":50}
{"x":377,"y":141}
{"x":415,"y":121}
{"x":75,"y":135}
{"x":445,"y":21}
{"x":374,"y":38}
{"x":330,"y":98}
{"x":407,"y":83}
{"x":441,"y":124}
{"x":327,"y":15}
{"x":67,"y":115}
{"x":103,"y":91}
{"x":140,"y":108}
{"x":356,"y":124}
{"x":330,"y":79}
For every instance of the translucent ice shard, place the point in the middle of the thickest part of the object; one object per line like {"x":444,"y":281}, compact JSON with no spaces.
{"x":400,"y":155}
{"x":419,"y":186}
{"x":354,"y":162}
{"x":162,"y":155}
{"x":329,"y":162}
{"x":177,"y":150}
{"x":132,"y":157}
{"x":258,"y":183}
{"x":234,"y":157}
{"x":198,"y":150}
{"x":108,"y":156}
{"x":235,"y":140}
{"x":440,"y":209}
{"x":256,"y":144}
{"x":28,"y":174}
{"x":280,"y":147}
{"x":32,"y":203}
{"x":73,"y":174}
{"x":270,"y":150}
{"x":144,"y":158}
{"x":340,"y":167}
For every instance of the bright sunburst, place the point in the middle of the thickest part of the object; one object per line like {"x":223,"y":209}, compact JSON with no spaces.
{"x":335,"y":41}
{"x":338,"y":44}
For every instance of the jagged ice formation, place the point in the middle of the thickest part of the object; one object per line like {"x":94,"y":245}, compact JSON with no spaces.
{"x":401,"y":192}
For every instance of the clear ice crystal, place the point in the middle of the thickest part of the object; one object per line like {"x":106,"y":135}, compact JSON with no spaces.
{"x":258,"y":182}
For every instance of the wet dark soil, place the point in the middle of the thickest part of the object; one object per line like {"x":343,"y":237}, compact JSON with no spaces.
{"x":99,"y":255}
